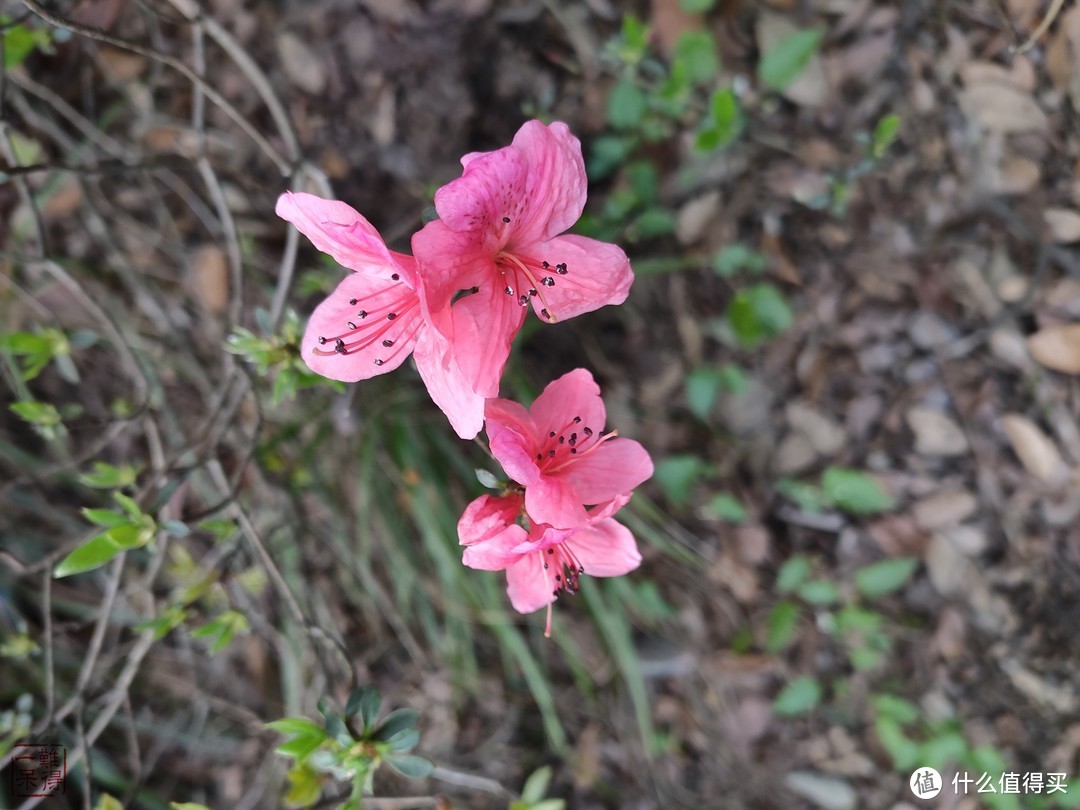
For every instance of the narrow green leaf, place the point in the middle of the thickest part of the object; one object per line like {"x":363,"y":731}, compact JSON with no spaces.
{"x":677,"y":475}
{"x":702,"y":389}
{"x":697,"y":6}
{"x":297,"y":726}
{"x":758,"y":313}
{"x":92,"y":554}
{"x":108,"y":476}
{"x":724,"y":506}
{"x":695,"y":51}
{"x":786,"y":60}
{"x":536,"y":785}
{"x":884,"y":577}
{"x":819,"y":592}
{"x":404,"y":740}
{"x":105,"y":517}
{"x":902,"y":711}
{"x":884,"y":134}
{"x":903,"y":750}
{"x":365,"y":703}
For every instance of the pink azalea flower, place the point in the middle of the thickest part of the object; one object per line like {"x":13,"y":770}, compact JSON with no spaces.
{"x":542,"y":561}
{"x":558,"y":452}
{"x":375,"y":318}
{"x":496,"y":249}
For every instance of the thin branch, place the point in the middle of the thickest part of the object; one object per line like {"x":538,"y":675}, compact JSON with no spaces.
{"x":164,"y":58}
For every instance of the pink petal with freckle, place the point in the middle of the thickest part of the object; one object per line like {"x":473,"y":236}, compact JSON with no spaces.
{"x":527,"y":585}
{"x":336,"y":228}
{"x":338,"y":317}
{"x":607,"y":549}
{"x":617,"y":466}
{"x":597,"y":274}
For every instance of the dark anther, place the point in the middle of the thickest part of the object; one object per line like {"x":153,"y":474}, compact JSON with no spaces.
{"x":545,"y":265}
{"x":558,"y":578}
{"x":539,"y":456}
{"x":573,"y":439}
{"x":577,"y":419}
{"x":551,"y":551}
{"x":339,"y":346}
{"x":391,"y":315}
{"x":361,"y":314}
{"x":352,"y":302}
{"x":524,"y":300}
{"x":378,"y":362}
{"x":587,"y":431}
{"x":573,"y":451}
{"x":322,"y":340}
{"x":508,"y":290}
{"x":545,"y":314}
{"x":551,"y":454}
{"x":562,"y":439}
{"x":547,"y":281}
{"x":388,"y":343}
{"x":561,"y":269}
{"x":545,"y":566}
{"x":394,"y":277}
{"x":533,"y":292}
{"x":506,"y":219}
{"x":551,"y":435}
{"x":351,"y":325}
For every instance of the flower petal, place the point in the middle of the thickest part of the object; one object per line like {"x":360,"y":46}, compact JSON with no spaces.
{"x":495,"y":553}
{"x":607,"y":549}
{"x":615,"y":467}
{"x":597,"y":274}
{"x":527,"y":584}
{"x":574,"y":394}
{"x":446,"y":385}
{"x":511,"y":437}
{"x":556,"y":183}
{"x":363,"y":337}
{"x":336,"y":228}
{"x":479,"y":328}
{"x":487,"y":191}
{"x":554,"y":502}
{"x":486,"y":517}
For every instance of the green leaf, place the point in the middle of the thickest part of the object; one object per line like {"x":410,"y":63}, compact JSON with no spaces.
{"x":105,"y":517}
{"x":806,"y":496}
{"x":634,"y":40}
{"x":162,"y":625}
{"x":36,"y":413}
{"x":676,"y":475}
{"x":20,"y":42}
{"x":695,"y":51}
{"x":651,"y":223}
{"x":733,"y":258}
{"x":724,"y":506}
{"x":702,"y":388}
{"x":397,"y":720}
{"x":819,"y":592}
{"x":884,"y":134}
{"x":792,"y":573}
{"x":626,"y":105}
{"x":727,"y":116}
{"x":536,"y":785}
{"x":884,"y":577}
{"x":786,"y":60}
{"x":129,"y":506}
{"x":107,"y":802}
{"x":950,"y":747}
{"x":411,"y":765}
{"x":549,"y":804}
{"x":855,"y":491}
{"x":607,"y":153}
{"x":903,"y":750}
{"x":92,"y":554}
{"x":299,"y":748}
{"x":800,"y":696}
{"x":107,"y":476}
{"x":305,"y":786}
{"x":487,"y":479}
{"x":365,"y":701}
{"x":297,"y":726}
{"x":404,"y":740}
{"x":902,"y":711}
{"x":758,"y":313}
{"x":783,"y":619}
{"x":697,"y":6}
{"x":187,"y":806}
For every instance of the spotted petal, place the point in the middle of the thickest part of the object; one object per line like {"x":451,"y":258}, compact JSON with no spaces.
{"x":596,"y":274}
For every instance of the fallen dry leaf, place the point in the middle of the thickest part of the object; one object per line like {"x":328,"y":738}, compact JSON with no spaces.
{"x":208,"y":274}
{"x":301,"y":64}
{"x":935,"y":433}
{"x":1057,"y":347}
{"x":1036,"y":451}
{"x":1064,"y":224}
{"x":1002,"y":108}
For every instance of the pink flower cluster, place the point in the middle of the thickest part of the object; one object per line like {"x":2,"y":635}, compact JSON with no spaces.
{"x":497,"y":248}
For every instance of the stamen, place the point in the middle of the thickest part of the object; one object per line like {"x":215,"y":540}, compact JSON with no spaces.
{"x":378,"y":362}
{"x":322,"y":340}
{"x":508,"y":290}
{"x":561,"y":269}
{"x":506,"y":220}
{"x":396,"y":277}
{"x":352,"y":302}
{"x":388,"y":343}
{"x":532,"y":292}
{"x":547,"y":281}
{"x":391,"y":315}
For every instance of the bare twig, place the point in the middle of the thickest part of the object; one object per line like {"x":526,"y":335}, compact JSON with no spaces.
{"x":1044,"y":26}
